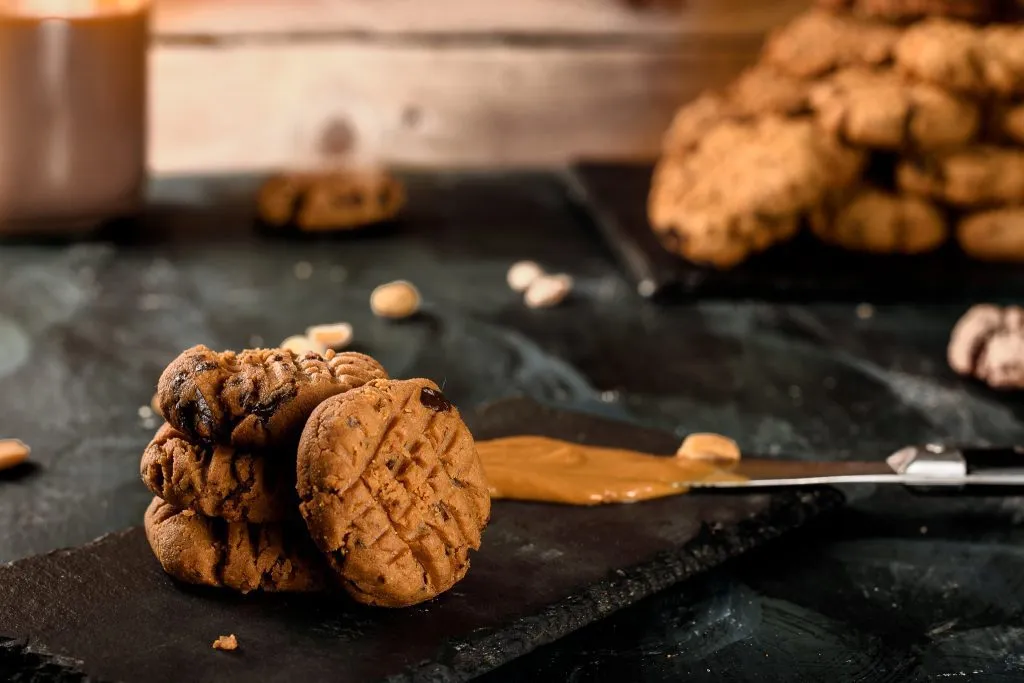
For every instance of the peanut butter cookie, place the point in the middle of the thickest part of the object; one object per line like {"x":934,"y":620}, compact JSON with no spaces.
{"x":877,"y":109}
{"x":745,"y":187}
{"x":217,"y":481}
{"x":330,"y":201}
{"x":988,"y":344}
{"x":1007,"y":122}
{"x":243,"y":557}
{"x":818,"y":42}
{"x":879,"y":222}
{"x":996,"y":235}
{"x":971,"y":177}
{"x":392,"y":491}
{"x":256,"y":399}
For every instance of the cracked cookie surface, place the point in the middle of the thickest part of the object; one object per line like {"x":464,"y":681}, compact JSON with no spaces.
{"x":256,"y":399}
{"x":243,"y":557}
{"x":392,"y":491}
{"x":217,"y":481}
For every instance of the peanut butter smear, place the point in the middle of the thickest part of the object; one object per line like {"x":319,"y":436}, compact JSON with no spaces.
{"x":541,"y":469}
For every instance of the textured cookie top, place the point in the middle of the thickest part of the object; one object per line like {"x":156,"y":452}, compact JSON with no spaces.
{"x":218,"y":481}
{"x":963,"y":57}
{"x":392,"y":490}
{"x":243,"y":557}
{"x":256,"y":399}
{"x":818,"y":42}
{"x":988,"y":344}
{"x":878,"y":109}
{"x":976,"y":176}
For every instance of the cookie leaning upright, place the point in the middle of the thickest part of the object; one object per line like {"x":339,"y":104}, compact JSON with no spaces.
{"x":392,"y":491}
{"x":256,"y":399}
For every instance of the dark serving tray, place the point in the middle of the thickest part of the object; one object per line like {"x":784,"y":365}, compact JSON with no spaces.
{"x":614,"y":195}
{"x":106,"y":611}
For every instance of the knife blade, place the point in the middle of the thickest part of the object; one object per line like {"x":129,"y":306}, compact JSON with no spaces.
{"x":931,"y":466}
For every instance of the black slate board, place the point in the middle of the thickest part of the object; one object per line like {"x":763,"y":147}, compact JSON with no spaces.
{"x":615,"y":197}
{"x":105,"y":610}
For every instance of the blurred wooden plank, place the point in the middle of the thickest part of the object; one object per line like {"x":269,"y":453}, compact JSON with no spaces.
{"x":258,"y":106}
{"x":225,"y":18}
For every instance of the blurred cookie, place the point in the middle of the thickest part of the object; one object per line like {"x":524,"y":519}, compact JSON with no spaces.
{"x":972,"y":177}
{"x":877,"y":109}
{"x":818,"y":42}
{"x":996,"y":235}
{"x":962,"y":57}
{"x":392,"y":491}
{"x":217,"y":481}
{"x":255,"y":399}
{"x":910,"y":10}
{"x":1006,"y":122}
{"x":879,"y":222}
{"x":987,"y":343}
{"x":744,"y":187}
{"x":330,"y":201}
{"x":242,"y":557}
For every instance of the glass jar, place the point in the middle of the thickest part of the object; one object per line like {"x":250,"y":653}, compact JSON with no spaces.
{"x":72,"y":113}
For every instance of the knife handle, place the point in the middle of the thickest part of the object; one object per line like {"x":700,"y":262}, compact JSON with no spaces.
{"x":1001,"y":468}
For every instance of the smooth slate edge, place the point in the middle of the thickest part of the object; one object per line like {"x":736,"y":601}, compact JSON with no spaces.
{"x":785,"y":513}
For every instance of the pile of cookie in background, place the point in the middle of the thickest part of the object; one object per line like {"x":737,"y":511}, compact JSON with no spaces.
{"x":882,"y":126}
{"x":284,"y":471}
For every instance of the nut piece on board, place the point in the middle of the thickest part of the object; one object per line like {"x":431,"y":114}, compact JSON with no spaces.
{"x":522,"y":274}
{"x":548,"y":291}
{"x":301,"y":345}
{"x":336,"y":336}
{"x":399,"y":299}
{"x":227,"y":643}
{"x":12,"y":453}
{"x":710,"y":447}
{"x":988,"y":343}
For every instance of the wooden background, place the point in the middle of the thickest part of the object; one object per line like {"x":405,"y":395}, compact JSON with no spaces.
{"x":262,"y":84}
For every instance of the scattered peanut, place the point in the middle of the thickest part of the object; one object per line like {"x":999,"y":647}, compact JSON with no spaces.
{"x":300,"y":345}
{"x":336,"y":336}
{"x":227,"y":643}
{"x":12,"y":453}
{"x":522,"y":274}
{"x":711,"y":447}
{"x":548,"y":291}
{"x":399,"y":299}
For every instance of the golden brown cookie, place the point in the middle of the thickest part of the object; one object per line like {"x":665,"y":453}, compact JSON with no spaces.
{"x":879,"y":222}
{"x":877,"y":109}
{"x":392,"y":491}
{"x":910,"y":10}
{"x":988,"y":344}
{"x":218,"y":481}
{"x":972,"y":177}
{"x":962,"y":57}
{"x":243,"y":557}
{"x":745,"y":187}
{"x":256,"y":399}
{"x":1007,"y":122}
{"x":330,"y":200}
{"x":818,"y":42}
{"x":996,"y":235}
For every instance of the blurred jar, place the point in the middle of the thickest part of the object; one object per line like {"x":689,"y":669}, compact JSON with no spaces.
{"x":72,"y":113}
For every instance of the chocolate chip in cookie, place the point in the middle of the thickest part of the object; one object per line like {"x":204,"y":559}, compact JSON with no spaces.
{"x":392,"y":491}
{"x":988,"y":343}
{"x":243,"y":557}
{"x":256,"y":399}
{"x":218,"y":481}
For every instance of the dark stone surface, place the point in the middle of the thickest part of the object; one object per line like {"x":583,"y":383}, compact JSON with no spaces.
{"x":541,"y":574}
{"x":897,"y":588}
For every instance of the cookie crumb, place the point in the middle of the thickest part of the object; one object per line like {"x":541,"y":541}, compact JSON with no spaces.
{"x":303,"y":270}
{"x":710,"y":447}
{"x":13,"y":452}
{"x":548,"y":291}
{"x":335,"y":336}
{"x":227,"y":643}
{"x":300,"y":345}
{"x":523,"y":274}
{"x":395,"y":300}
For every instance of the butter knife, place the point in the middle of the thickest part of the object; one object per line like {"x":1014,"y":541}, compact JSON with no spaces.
{"x":932,"y":466}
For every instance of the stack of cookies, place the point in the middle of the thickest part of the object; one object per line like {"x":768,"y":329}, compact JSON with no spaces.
{"x":285,"y":472}
{"x":879,"y":124}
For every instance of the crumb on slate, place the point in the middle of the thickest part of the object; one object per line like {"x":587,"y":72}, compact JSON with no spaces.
{"x":226,"y":643}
